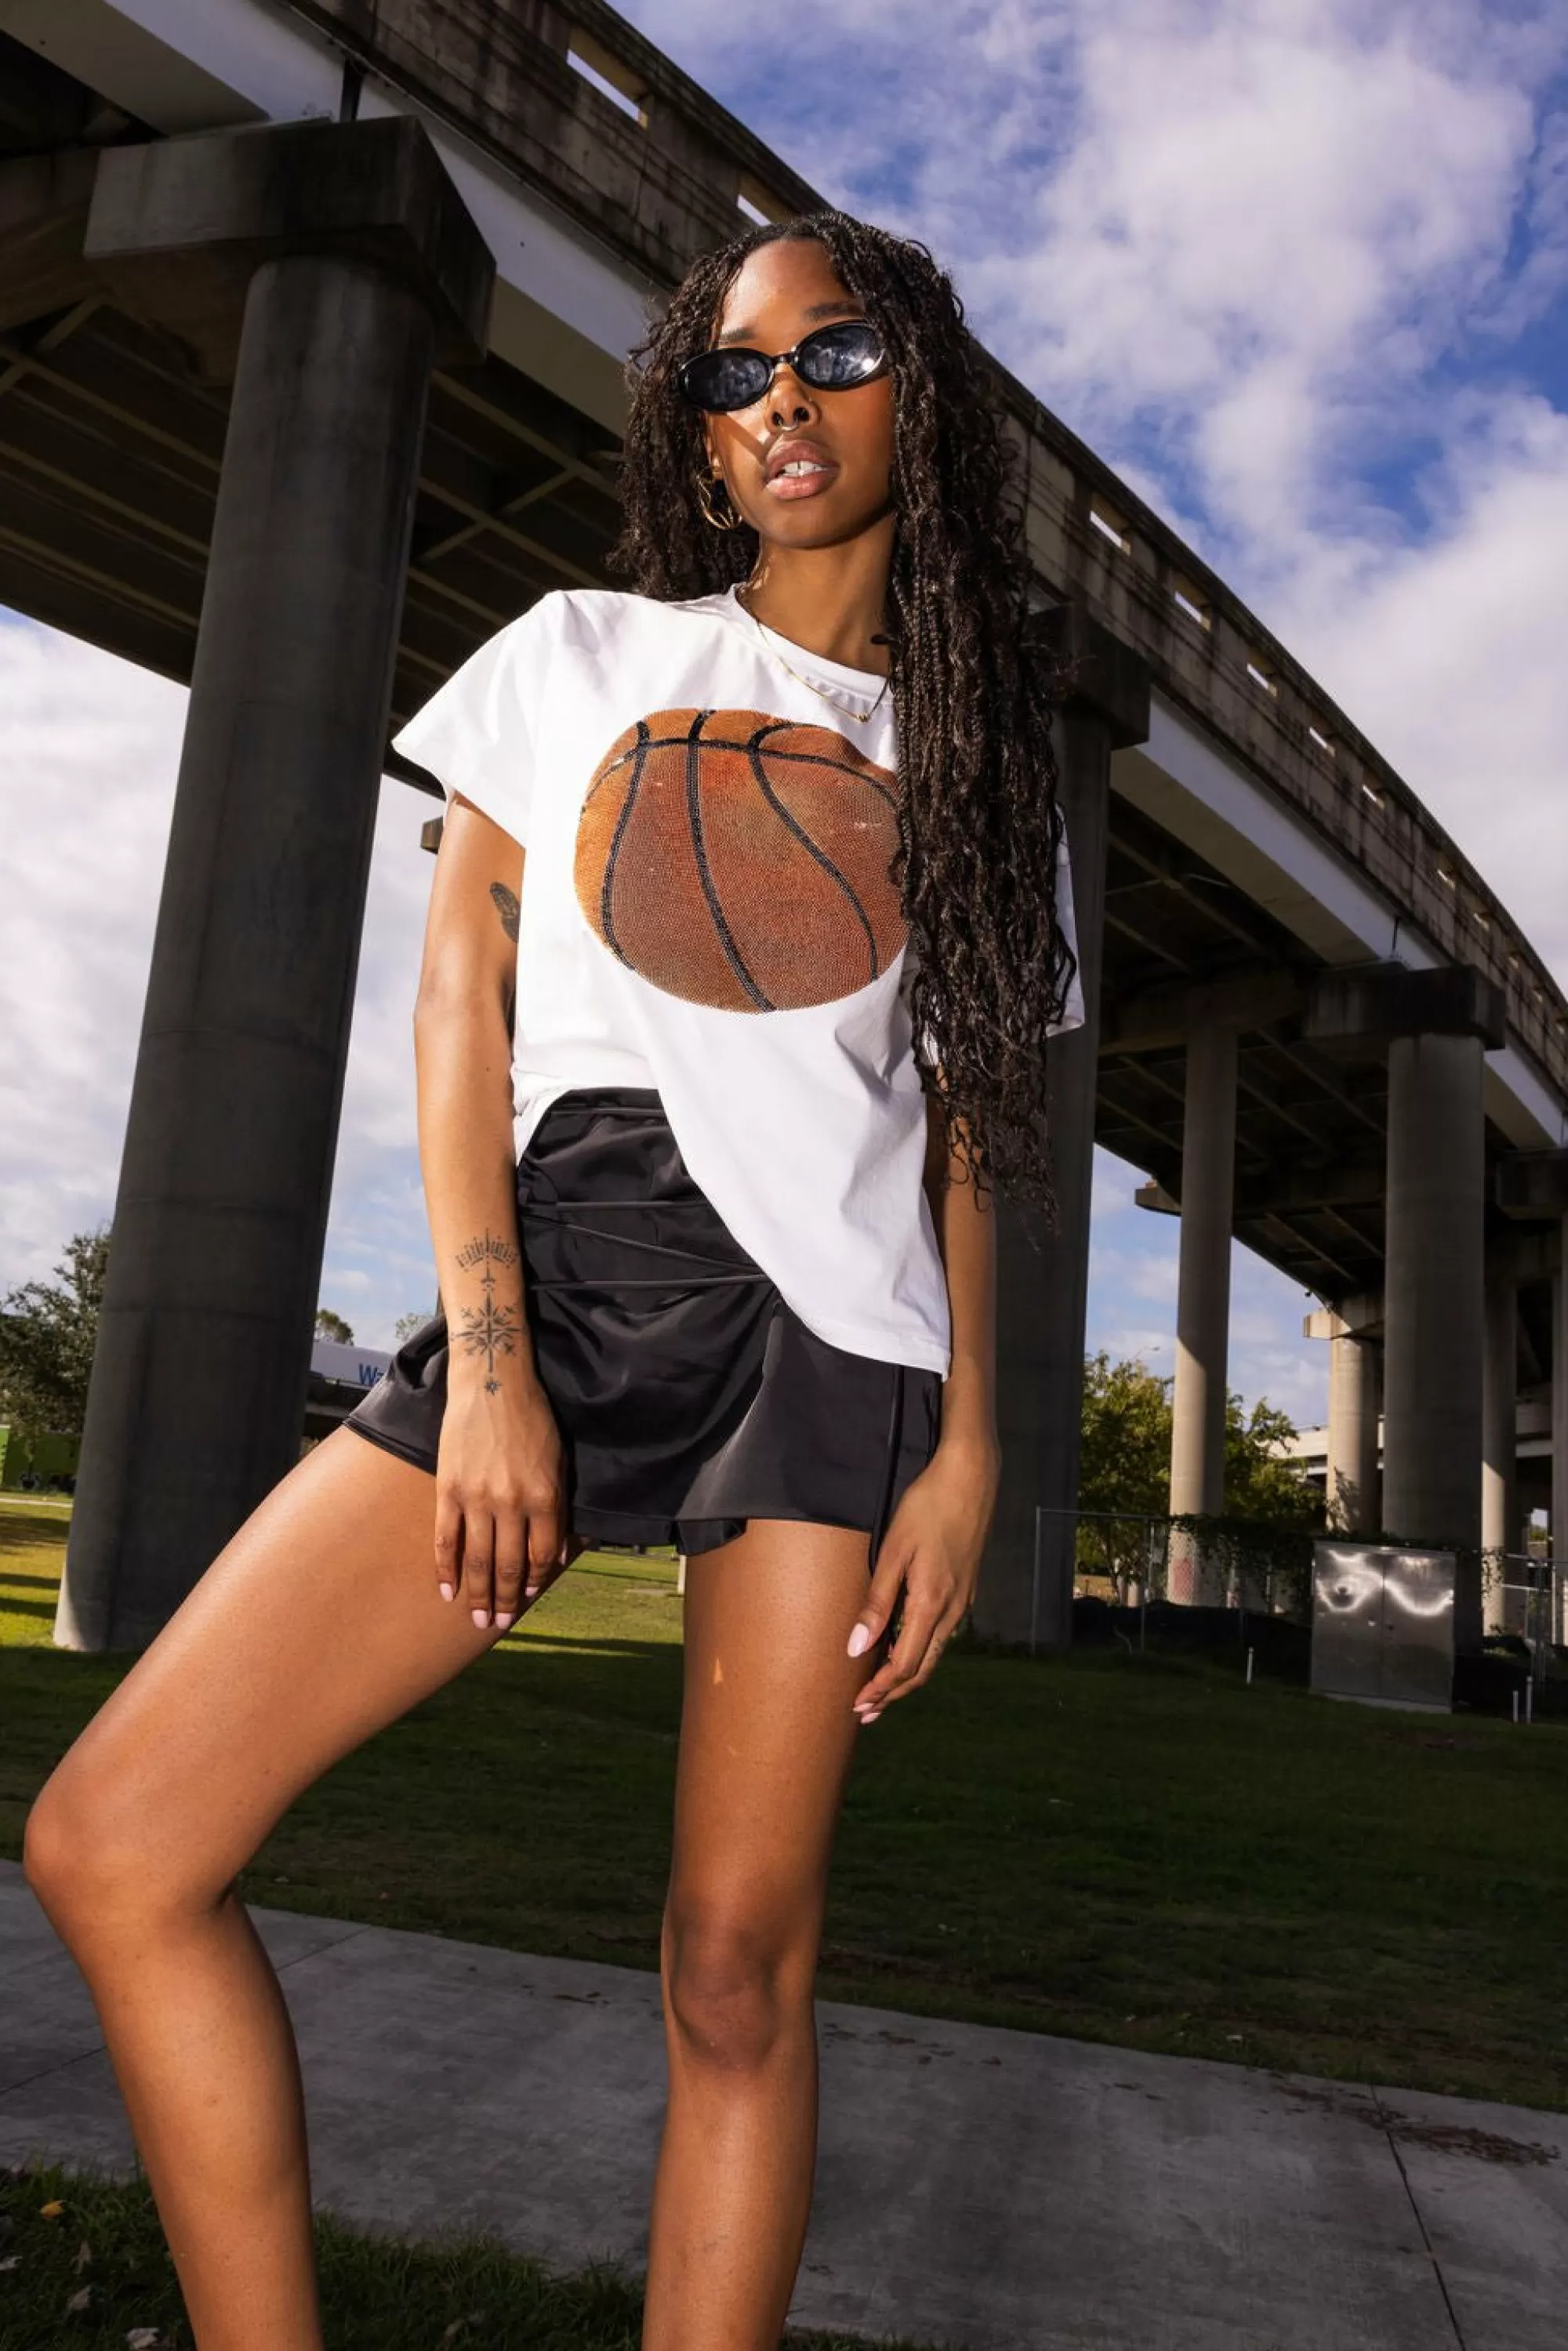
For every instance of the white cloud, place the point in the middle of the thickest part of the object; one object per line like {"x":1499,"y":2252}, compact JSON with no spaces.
{"x":1267,"y":255}
{"x":1254,"y":193}
{"x":1458,"y":645}
{"x":90,"y":749}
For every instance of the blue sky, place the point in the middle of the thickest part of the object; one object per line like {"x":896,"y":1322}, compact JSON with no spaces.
{"x":1296,"y":268}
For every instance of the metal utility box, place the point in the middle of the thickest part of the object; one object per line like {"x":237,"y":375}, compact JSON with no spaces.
{"x":1382,"y":1624}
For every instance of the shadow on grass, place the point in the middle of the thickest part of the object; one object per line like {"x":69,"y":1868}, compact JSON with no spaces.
{"x":1136,"y":1850}
{"x":92,"y":2271}
{"x":19,"y":1533}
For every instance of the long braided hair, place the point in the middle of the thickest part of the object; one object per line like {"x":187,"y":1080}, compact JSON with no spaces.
{"x":980,"y":823}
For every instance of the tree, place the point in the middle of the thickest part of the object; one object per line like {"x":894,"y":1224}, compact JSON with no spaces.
{"x":1124,"y":1471}
{"x":1124,"y":1467}
{"x":332,"y":1326}
{"x":1125,"y":1460}
{"x":47,"y":1333}
{"x":1259,"y":1484}
{"x":407,"y":1324}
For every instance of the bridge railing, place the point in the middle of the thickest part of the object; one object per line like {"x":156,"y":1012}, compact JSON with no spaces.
{"x":577,"y":103}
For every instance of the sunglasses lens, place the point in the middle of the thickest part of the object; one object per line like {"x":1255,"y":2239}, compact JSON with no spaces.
{"x":725,"y":379}
{"x":830,"y":360}
{"x":836,"y":357}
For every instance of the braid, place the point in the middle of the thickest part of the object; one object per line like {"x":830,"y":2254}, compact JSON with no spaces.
{"x":980,"y":823}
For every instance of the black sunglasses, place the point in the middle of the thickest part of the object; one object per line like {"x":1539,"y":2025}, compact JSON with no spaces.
{"x":830,"y":358}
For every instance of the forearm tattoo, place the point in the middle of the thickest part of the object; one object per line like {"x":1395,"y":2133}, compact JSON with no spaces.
{"x":490,"y":1331}
{"x":507,"y":907}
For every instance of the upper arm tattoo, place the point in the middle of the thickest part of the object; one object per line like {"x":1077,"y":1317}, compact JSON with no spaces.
{"x":507,"y":908}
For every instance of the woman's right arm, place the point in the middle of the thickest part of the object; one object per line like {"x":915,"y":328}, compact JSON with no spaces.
{"x":500,"y":1492}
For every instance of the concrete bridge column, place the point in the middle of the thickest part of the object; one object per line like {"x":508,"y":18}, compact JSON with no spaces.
{"x":344,"y":258}
{"x":1500,"y":1387}
{"x":1203,"y":1296}
{"x":1043,"y":1277}
{"x":1533,"y":1189}
{"x":1435,"y":1027}
{"x":1559,"y":1518}
{"x":1435,"y":1292}
{"x":1203,"y":1302}
{"x":1355,"y":1382}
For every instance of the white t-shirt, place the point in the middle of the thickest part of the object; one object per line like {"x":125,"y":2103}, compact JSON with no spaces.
{"x":706,"y":910}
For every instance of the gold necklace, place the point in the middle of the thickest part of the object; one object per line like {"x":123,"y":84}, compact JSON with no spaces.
{"x":860,"y":717}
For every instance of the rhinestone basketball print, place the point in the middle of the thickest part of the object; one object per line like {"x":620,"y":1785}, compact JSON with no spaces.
{"x":741,"y":861}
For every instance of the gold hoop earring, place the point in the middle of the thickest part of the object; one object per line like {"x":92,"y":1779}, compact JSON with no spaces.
{"x":705,"y":500}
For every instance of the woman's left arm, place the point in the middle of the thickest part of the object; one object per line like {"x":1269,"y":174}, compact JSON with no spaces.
{"x":935,"y":1539}
{"x":965,"y":1226}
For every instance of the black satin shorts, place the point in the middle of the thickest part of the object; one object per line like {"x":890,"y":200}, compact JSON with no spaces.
{"x":689,"y":1397}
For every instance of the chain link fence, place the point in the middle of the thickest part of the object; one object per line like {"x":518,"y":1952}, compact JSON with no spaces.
{"x":1525,"y":1597}
{"x":1133,"y":1563}
{"x":1134,"y":1559}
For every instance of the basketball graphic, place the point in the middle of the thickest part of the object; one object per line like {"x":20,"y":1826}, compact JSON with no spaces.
{"x":740,"y":860}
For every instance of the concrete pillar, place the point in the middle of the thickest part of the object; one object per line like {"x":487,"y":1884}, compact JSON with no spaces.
{"x":1025,"y":1596}
{"x":1355,"y":1382}
{"x":199,"y":1382}
{"x":1559,"y":1521}
{"x":1435,"y":1305}
{"x":1436,"y":1027}
{"x":1203,"y":1298}
{"x":1203,"y":1307}
{"x":1500,"y":1438}
{"x":1532,"y":1188}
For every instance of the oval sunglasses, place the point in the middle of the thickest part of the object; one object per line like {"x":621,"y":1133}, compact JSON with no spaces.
{"x":830,"y":358}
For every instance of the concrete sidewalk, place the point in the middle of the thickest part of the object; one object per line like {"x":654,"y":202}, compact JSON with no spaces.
{"x":998,"y":2190}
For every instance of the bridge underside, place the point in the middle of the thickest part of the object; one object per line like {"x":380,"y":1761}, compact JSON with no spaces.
{"x":111,"y":452}
{"x":116,"y":419}
{"x":112,"y":439}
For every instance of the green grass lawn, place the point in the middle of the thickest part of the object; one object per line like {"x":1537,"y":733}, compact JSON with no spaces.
{"x":1134,"y":1850}
{"x":92,"y":2266}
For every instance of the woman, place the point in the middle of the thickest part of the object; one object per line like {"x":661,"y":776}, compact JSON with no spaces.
{"x":717,"y":1266}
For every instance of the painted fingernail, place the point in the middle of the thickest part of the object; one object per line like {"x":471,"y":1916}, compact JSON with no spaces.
{"x":446,"y":1591}
{"x":859,"y":1640}
{"x":504,"y":1621}
{"x":482,"y":1617}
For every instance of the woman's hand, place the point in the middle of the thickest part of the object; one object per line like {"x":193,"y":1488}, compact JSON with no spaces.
{"x":502,"y":1536}
{"x":932,"y":1549}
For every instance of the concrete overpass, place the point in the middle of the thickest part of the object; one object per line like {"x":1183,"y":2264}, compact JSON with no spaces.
{"x":438,"y":223}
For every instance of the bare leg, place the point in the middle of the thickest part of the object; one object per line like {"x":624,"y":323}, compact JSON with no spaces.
{"x":768,"y":1732}
{"x":317,"y":1626}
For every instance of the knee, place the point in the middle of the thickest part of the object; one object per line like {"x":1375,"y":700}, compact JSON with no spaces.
{"x":730,"y":1991}
{"x":80,"y":1856}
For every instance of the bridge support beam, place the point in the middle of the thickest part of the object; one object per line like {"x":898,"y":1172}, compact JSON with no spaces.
{"x":1025,"y":1594}
{"x":1499,"y":1414}
{"x":1533,"y":1187}
{"x":343,"y":257}
{"x":1203,"y":1295}
{"x":1432,"y":1440}
{"x":1435,"y":1027}
{"x":1559,"y":1519}
{"x":1356,"y":1381}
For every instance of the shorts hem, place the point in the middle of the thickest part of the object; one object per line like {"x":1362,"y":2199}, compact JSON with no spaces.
{"x":408,"y":1453}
